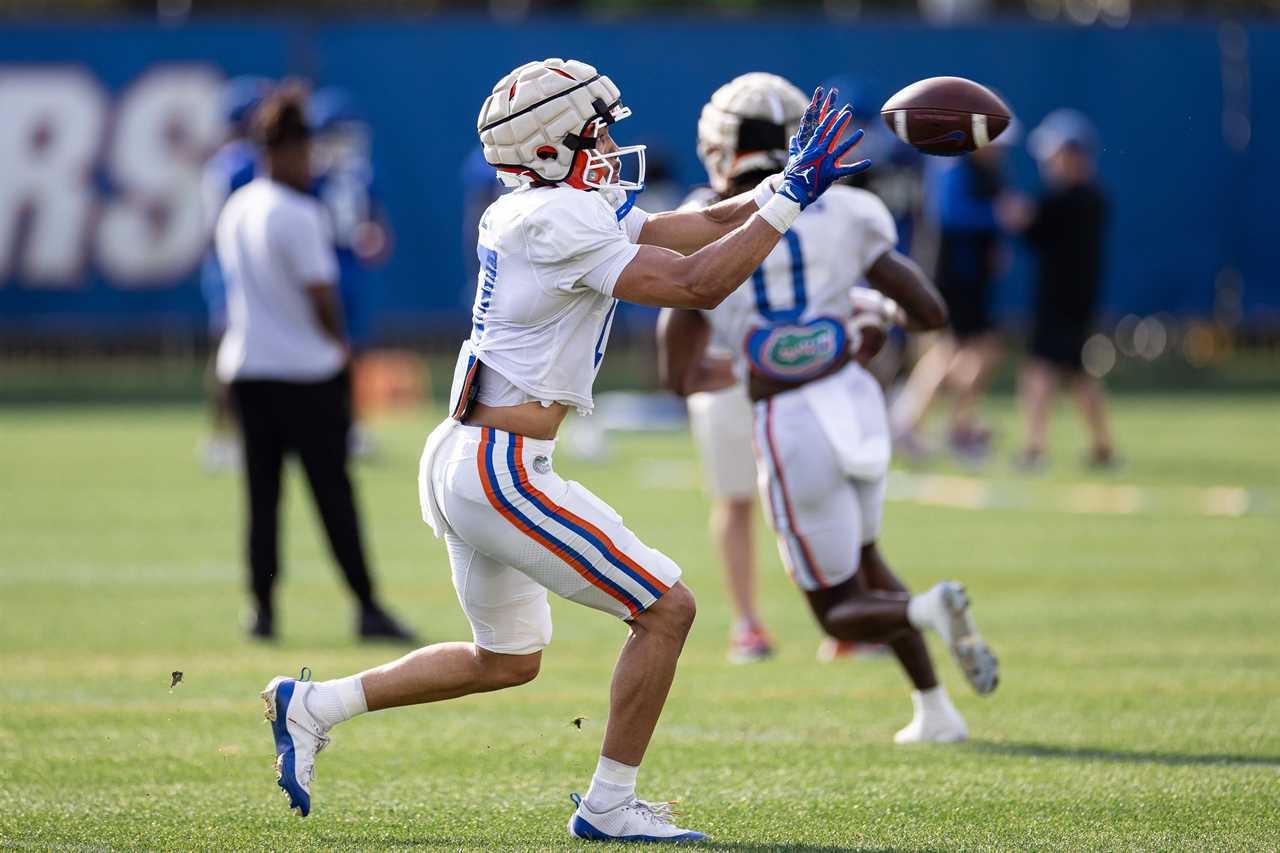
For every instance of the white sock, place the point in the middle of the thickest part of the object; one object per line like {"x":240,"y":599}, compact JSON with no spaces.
{"x":920,"y":609}
{"x":933,"y":701}
{"x":336,"y":701}
{"x":613,"y":785}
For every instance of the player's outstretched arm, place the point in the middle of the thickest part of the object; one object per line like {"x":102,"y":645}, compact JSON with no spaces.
{"x":687,"y":231}
{"x":901,"y":279}
{"x":665,"y":278}
{"x":814,"y":164}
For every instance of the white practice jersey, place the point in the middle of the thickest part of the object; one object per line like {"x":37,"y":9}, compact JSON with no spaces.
{"x":810,"y":272}
{"x":549,"y":259}
{"x":273,"y":243}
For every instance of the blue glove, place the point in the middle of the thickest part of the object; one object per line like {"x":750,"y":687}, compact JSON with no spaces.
{"x":816,"y":149}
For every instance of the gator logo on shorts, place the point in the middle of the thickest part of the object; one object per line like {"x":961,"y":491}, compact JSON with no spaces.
{"x":795,"y":351}
{"x":542,"y":464}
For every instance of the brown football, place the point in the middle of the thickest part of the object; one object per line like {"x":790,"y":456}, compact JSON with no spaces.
{"x":946,"y":115}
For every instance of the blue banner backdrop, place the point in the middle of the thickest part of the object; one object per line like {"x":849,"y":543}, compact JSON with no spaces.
{"x":1187,"y":205}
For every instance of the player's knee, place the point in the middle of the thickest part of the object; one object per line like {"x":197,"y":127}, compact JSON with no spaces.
{"x":509,"y":670}
{"x":678,"y":609}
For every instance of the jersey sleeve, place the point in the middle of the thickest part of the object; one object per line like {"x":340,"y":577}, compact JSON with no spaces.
{"x":634,"y":222}
{"x":303,"y":238}
{"x":875,"y":231}
{"x":578,"y":242}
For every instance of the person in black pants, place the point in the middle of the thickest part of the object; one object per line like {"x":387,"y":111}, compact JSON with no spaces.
{"x":286,"y":361}
{"x":1066,"y":229}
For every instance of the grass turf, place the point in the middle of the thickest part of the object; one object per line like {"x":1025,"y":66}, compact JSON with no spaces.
{"x":1139,"y":706}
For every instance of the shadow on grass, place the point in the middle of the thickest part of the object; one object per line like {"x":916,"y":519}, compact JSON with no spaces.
{"x":1089,"y":753}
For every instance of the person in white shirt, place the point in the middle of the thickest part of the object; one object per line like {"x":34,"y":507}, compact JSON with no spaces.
{"x":557,"y":255}
{"x":285,"y":360}
{"x":821,"y":429}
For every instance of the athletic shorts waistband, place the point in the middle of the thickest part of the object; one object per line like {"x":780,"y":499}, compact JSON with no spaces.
{"x":541,"y":446}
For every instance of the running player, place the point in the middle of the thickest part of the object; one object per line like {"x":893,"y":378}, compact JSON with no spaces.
{"x":556,"y":257}
{"x":821,"y":430}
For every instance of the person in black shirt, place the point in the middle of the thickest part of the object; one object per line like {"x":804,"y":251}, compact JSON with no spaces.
{"x":1066,"y":230}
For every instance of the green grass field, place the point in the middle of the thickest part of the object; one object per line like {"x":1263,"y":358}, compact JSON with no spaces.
{"x":1139,"y":707}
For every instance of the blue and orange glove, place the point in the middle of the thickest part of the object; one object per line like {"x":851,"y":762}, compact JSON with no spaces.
{"x":815,"y":151}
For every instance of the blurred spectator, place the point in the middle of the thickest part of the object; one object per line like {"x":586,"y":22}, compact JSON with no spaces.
{"x":232,"y":166}
{"x":285,"y":358}
{"x":960,"y":197}
{"x":1065,"y":229}
{"x":344,"y":183}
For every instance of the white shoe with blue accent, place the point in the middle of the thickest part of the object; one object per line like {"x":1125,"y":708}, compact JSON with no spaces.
{"x":635,"y":820}
{"x":299,"y":737}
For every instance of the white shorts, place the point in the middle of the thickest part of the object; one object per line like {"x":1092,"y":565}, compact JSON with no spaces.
{"x":515,"y":529}
{"x":721,"y":425}
{"x":822,"y":516}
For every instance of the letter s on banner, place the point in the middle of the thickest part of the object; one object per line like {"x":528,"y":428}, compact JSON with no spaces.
{"x":52,"y":127}
{"x":155,"y":229}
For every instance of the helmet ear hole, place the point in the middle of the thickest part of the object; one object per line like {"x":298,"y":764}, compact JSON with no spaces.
{"x":546,"y":152}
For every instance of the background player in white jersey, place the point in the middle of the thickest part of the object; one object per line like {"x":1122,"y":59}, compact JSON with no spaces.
{"x":821,"y":429}
{"x":557,"y":256}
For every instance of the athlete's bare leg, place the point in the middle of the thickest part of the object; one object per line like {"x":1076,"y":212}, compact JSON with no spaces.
{"x":970,"y":372}
{"x":643,"y":674}
{"x":732,"y":521}
{"x":445,"y":671}
{"x":909,"y":647}
{"x":922,"y":386}
{"x":1039,"y":383}
{"x":1093,"y":406}
{"x":871,"y":607}
{"x":855,"y":612}
{"x":641,"y":678}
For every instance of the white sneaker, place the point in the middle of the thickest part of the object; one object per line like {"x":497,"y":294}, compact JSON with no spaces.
{"x":634,"y":820}
{"x":949,"y":616}
{"x":298,"y":735}
{"x":935,"y":726}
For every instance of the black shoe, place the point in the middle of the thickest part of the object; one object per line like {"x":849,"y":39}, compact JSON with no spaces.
{"x":1102,"y":459}
{"x":377,"y":624}
{"x":260,"y":626}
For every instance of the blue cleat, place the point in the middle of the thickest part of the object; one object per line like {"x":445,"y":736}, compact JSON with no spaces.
{"x":635,"y":820}
{"x":298,"y":737}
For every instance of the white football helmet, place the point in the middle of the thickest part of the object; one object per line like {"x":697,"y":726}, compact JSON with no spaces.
{"x":746,"y":126}
{"x":541,"y":122}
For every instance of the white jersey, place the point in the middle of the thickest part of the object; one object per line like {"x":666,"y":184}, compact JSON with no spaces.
{"x":549,"y":259}
{"x":811,"y":271}
{"x":273,"y":243}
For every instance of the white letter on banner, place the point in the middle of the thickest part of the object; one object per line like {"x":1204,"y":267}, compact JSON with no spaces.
{"x":154,"y":230}
{"x":51,"y":124}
